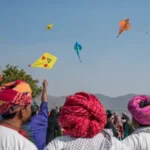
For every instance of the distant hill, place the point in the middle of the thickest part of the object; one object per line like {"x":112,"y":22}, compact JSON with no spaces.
{"x":118,"y":104}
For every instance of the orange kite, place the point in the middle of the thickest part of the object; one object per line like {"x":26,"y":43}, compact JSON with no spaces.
{"x":124,"y":26}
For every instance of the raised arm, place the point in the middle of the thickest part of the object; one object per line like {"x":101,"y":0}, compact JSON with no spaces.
{"x":44,"y":101}
{"x":44,"y":93}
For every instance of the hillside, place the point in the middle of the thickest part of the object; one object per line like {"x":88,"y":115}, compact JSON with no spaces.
{"x":116,"y":104}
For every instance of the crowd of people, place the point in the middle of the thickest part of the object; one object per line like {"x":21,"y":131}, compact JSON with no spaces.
{"x":82,"y":123}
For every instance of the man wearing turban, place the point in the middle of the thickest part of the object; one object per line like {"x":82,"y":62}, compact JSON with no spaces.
{"x":83,"y":117}
{"x":15,"y":109}
{"x":139,"y":107}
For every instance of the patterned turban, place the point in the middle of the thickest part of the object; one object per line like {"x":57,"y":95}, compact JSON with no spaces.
{"x":83,"y":115}
{"x":14,"y":94}
{"x":139,"y":107}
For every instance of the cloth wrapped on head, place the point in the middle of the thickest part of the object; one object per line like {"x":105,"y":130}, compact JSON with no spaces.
{"x":14,"y":94}
{"x":139,"y":107}
{"x":83,"y":115}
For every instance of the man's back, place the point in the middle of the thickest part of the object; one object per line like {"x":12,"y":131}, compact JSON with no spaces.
{"x":139,"y":140}
{"x":101,"y":141}
{"x":12,"y":140}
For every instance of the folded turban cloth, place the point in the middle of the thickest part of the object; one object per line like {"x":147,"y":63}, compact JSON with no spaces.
{"x":83,"y":115}
{"x":14,"y":94}
{"x":139,"y":107}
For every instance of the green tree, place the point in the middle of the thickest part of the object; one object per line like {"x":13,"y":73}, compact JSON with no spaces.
{"x":12,"y":73}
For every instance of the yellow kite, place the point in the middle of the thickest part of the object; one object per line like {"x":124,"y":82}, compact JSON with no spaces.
{"x":49,"y":26}
{"x":46,"y":61}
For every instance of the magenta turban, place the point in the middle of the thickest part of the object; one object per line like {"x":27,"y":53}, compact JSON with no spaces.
{"x":139,"y":107}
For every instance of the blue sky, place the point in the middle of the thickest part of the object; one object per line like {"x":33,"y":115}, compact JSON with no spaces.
{"x":110,"y":66}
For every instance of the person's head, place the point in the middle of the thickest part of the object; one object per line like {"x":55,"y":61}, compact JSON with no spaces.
{"x":15,"y":101}
{"x":115,"y":114}
{"x":34,"y":109}
{"x":124,"y":114}
{"x":53,"y":114}
{"x":110,"y":116}
{"x":139,"y":107}
{"x":125,"y":117}
{"x":57,"y":109}
{"x":83,"y":115}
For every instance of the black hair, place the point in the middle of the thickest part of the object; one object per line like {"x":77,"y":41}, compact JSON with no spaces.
{"x":53,"y":114}
{"x":109,"y":114}
{"x":34,"y":108}
{"x":141,"y":125}
{"x":9,"y":116}
{"x":144,"y":104}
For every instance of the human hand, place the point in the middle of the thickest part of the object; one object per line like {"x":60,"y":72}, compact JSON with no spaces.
{"x":45,"y":83}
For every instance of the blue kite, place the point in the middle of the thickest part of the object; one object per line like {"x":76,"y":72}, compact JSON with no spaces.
{"x":78,"y":48}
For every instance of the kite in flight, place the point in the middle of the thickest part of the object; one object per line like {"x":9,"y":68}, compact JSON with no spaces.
{"x":49,"y":26}
{"x":46,"y":61}
{"x":124,"y":26}
{"x":78,"y":48}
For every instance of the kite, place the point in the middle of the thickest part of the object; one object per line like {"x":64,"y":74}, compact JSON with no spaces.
{"x":78,"y":48}
{"x":46,"y":61}
{"x":124,"y":26}
{"x":49,"y":26}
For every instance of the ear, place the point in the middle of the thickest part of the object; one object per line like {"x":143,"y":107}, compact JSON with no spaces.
{"x":22,"y":112}
{"x":25,"y":113}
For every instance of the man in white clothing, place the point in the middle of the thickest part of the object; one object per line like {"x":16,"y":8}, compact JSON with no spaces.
{"x":15,"y":108}
{"x":83,"y":117}
{"x":139,"y":107}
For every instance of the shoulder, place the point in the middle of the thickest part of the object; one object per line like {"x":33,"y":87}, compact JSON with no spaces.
{"x":58,"y":143}
{"x":137,"y":140}
{"x":15,"y":140}
{"x":43,"y":104}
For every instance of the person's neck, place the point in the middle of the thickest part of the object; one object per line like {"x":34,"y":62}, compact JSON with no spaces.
{"x":13,"y":123}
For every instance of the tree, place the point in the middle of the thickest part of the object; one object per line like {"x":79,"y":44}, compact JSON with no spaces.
{"x":12,"y":73}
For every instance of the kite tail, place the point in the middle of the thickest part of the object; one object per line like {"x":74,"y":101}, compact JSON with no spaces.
{"x":79,"y":57}
{"x":120,"y":31}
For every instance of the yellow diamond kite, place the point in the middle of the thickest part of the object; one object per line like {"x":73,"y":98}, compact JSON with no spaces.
{"x":47,"y":61}
{"x":49,"y":26}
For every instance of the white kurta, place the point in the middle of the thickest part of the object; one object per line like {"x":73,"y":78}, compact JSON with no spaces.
{"x":98,"y":142}
{"x":139,"y":140}
{"x":12,"y":140}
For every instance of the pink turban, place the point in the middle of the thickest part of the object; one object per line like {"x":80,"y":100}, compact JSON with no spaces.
{"x":83,"y":115}
{"x":139,"y":107}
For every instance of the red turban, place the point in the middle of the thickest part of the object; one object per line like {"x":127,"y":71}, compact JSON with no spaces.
{"x":83,"y":115}
{"x":17,"y":93}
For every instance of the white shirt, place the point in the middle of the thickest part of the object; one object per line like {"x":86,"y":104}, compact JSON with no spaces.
{"x":12,"y":140}
{"x":98,"y":142}
{"x":139,"y":140}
